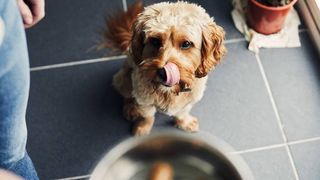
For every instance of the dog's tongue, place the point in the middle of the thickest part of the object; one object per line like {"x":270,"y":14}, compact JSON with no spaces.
{"x":172,"y":74}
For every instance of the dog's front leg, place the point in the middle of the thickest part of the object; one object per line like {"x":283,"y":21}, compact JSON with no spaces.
{"x":185,"y":121}
{"x":131,"y":109}
{"x":144,"y":123}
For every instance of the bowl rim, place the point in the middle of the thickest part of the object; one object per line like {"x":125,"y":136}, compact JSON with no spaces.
{"x":212,"y":142}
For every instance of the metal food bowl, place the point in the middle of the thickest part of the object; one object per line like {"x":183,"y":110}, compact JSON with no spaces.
{"x":192,"y":157}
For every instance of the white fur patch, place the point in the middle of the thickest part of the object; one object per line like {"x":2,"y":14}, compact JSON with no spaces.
{"x":2,"y":30}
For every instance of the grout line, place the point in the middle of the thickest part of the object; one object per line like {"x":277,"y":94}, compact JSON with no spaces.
{"x":259,"y":149}
{"x":124,"y":4}
{"x":262,"y":148}
{"x":75,"y":177}
{"x":229,"y":41}
{"x":75,"y":63}
{"x":304,"y":141}
{"x":295,"y":171}
{"x":274,"y":106}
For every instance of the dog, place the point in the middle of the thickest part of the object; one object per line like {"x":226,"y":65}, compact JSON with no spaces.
{"x":171,"y":48}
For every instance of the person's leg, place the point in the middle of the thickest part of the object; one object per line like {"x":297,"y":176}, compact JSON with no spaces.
{"x":14,"y":90}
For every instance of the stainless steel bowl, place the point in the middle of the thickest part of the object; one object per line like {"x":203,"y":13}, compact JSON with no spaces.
{"x":192,"y":157}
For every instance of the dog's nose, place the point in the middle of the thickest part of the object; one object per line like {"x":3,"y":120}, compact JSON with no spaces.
{"x":162,"y":74}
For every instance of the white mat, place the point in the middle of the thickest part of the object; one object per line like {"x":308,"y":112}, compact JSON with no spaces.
{"x":287,"y":37}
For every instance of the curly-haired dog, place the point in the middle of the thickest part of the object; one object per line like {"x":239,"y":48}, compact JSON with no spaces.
{"x":171,"y":48}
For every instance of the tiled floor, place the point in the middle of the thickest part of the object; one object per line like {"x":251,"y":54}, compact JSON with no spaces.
{"x":265,"y":106}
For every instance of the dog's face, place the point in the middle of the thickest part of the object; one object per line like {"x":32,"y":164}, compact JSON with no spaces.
{"x":179,"y":33}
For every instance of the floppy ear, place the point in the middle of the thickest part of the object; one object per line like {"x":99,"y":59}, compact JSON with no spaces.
{"x":137,"y":42}
{"x":212,"y":48}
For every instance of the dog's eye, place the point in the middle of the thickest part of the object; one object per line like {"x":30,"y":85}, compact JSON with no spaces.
{"x":156,"y":42}
{"x":186,"y":45}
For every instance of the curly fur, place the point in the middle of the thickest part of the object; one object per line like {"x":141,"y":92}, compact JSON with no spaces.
{"x":137,"y":81}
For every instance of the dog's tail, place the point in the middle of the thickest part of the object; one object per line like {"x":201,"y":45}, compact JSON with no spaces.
{"x":118,"y":33}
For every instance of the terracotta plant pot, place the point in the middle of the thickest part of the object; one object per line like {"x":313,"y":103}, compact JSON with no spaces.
{"x":266,"y":19}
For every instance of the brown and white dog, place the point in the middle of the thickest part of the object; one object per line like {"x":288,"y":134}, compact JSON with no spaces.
{"x":171,"y":47}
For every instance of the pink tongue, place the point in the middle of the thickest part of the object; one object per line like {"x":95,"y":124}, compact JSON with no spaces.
{"x":172,"y":73}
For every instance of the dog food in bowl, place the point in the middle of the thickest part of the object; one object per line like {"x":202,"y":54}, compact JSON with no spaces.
{"x":172,"y":156}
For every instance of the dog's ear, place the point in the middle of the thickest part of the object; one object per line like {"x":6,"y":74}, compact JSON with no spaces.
{"x":212,"y":48}
{"x":137,"y":42}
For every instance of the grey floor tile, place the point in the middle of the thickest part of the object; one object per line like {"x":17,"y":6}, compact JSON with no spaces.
{"x":306,"y":157}
{"x":74,"y":117}
{"x":236,"y":106}
{"x":70,"y":31}
{"x":220,"y":10}
{"x":294,"y":78}
{"x":270,"y":164}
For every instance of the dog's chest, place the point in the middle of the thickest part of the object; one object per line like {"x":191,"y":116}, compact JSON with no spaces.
{"x":167,"y":102}
{"x":172,"y":104}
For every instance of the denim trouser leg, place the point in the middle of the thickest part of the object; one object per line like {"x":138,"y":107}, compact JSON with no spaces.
{"x":14,"y":89}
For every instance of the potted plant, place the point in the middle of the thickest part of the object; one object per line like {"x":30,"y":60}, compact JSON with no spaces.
{"x":268,"y":16}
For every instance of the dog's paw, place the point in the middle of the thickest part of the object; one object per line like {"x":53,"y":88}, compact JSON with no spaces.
{"x":190,"y":124}
{"x":142,"y":128}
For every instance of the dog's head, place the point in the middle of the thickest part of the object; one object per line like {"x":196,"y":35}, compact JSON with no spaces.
{"x":181,"y":34}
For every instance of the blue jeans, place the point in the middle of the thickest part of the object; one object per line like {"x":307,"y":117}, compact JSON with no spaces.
{"x":14,"y":90}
